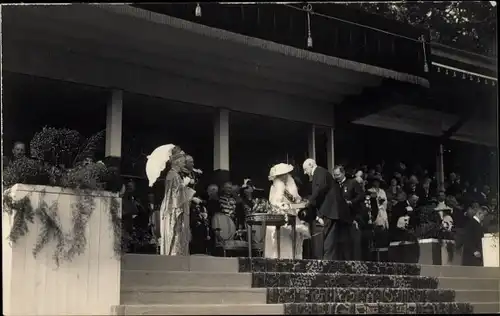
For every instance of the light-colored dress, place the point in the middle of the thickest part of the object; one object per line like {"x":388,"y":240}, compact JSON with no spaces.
{"x":280,"y":199}
{"x":174,"y":212}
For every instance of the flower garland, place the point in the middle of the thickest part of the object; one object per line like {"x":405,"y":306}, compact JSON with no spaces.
{"x":53,"y":150}
{"x":23,"y":214}
{"x":67,"y":247}
{"x":51,"y":229}
{"x":81,"y":212}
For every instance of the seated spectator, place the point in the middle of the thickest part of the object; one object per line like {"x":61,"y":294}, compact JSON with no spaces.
{"x":393,"y":190}
{"x":453,"y":185}
{"x":212,"y":203}
{"x":358,"y":176}
{"x":457,"y":211}
{"x":412,"y":186}
{"x":493,"y":206}
{"x":247,"y":200}
{"x":200,"y":230}
{"x":404,"y":220}
{"x":424,"y":193}
{"x":404,"y":212}
{"x":227,"y":201}
{"x":153,"y":207}
{"x":441,"y":201}
{"x":399,"y":179}
{"x":484,"y":196}
{"x":18,"y":151}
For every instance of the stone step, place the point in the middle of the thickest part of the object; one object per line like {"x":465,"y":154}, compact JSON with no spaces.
{"x":326,"y":266}
{"x":486,"y":307}
{"x":189,"y":295}
{"x":199,"y":309}
{"x":469,"y":283}
{"x":133,"y":278}
{"x":179,"y":263}
{"x":376,"y":308}
{"x":459,"y":271}
{"x":217,"y":264}
{"x":284,"y":279}
{"x":479,"y":296}
{"x":356,"y":295}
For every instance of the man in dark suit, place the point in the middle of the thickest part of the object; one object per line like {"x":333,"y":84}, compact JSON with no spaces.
{"x":471,"y":239}
{"x":354,"y":197}
{"x":326,"y":202}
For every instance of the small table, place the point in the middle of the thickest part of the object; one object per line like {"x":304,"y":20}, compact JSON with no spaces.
{"x":277,"y":220}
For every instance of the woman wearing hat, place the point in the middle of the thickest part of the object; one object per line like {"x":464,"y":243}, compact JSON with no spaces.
{"x":282,"y":195}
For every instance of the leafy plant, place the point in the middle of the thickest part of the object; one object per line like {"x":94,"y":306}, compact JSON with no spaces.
{"x":60,"y":157}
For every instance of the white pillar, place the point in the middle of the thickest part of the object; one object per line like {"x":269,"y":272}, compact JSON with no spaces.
{"x":114,"y":117}
{"x":311,"y":142}
{"x":440,"y":167}
{"x":221,"y":140}
{"x":330,"y":150}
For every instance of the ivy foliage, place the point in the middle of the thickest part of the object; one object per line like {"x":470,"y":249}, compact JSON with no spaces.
{"x":63,"y":158}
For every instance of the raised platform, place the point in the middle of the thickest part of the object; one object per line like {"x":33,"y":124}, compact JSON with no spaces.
{"x":202,"y":285}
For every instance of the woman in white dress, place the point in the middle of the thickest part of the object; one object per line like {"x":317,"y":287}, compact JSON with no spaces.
{"x":282,"y":195}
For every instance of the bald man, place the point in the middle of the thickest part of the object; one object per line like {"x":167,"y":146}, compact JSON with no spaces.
{"x":326,"y":202}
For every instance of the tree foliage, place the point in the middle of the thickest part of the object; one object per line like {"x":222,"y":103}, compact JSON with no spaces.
{"x":466,"y":25}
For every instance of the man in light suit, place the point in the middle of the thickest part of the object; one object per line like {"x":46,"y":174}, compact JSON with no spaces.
{"x":327,"y":204}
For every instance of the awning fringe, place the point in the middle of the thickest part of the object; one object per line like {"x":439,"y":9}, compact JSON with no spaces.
{"x":268,"y":45}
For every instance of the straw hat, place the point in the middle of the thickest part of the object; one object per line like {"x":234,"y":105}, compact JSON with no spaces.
{"x":279,"y":169}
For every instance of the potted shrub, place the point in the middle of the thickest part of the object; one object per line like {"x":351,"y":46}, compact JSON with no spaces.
{"x":59,"y":223}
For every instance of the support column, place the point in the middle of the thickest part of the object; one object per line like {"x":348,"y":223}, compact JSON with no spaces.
{"x":221,"y":147}
{"x":114,"y":117}
{"x":330,"y":150}
{"x":440,"y":167}
{"x":311,"y":143}
{"x":113,"y":147}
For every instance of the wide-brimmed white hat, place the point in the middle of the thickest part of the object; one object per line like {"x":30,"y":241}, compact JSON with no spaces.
{"x":279,"y":169}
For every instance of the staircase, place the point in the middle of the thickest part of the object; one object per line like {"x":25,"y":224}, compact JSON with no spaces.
{"x":202,"y":285}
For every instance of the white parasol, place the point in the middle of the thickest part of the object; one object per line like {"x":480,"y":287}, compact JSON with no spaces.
{"x":156,"y":162}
